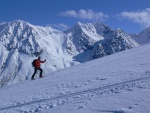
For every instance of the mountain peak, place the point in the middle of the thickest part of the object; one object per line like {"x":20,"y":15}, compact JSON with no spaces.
{"x":143,"y":37}
{"x":20,"y":23}
{"x":79,"y":23}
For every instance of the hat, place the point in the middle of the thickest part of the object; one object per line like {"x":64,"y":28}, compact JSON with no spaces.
{"x":39,"y":57}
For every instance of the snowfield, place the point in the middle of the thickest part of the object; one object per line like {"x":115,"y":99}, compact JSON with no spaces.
{"x":118,"y":83}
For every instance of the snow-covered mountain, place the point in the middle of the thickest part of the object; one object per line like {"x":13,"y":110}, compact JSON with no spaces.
{"x":117,"y":41}
{"x":83,"y":36}
{"x":95,"y":40}
{"x":117,"y":83}
{"x":21,"y":42}
{"x":143,"y":37}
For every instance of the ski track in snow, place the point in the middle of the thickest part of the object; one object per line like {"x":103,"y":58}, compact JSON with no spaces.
{"x":98,"y":92}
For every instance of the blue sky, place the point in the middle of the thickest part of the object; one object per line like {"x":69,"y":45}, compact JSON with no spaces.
{"x":130,"y":15}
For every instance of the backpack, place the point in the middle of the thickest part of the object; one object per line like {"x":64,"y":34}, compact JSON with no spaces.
{"x":33,"y":63}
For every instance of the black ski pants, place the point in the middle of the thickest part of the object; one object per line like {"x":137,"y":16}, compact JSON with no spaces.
{"x":35,"y":70}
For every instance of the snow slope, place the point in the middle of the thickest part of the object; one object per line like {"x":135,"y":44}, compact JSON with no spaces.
{"x":118,"y":83}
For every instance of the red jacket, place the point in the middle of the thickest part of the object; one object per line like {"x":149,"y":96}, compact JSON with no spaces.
{"x":38,"y":63}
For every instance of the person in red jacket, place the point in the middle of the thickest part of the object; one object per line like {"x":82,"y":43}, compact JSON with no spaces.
{"x":37,"y":67}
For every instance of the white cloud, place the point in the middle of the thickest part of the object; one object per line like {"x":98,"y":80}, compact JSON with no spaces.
{"x":85,"y":14}
{"x":141,"y":17}
{"x":60,"y":26}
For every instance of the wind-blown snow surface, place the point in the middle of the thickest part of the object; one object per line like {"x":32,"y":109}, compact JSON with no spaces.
{"x":117,"y":83}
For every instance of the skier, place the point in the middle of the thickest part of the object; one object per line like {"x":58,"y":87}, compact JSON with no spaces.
{"x":37,"y":67}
